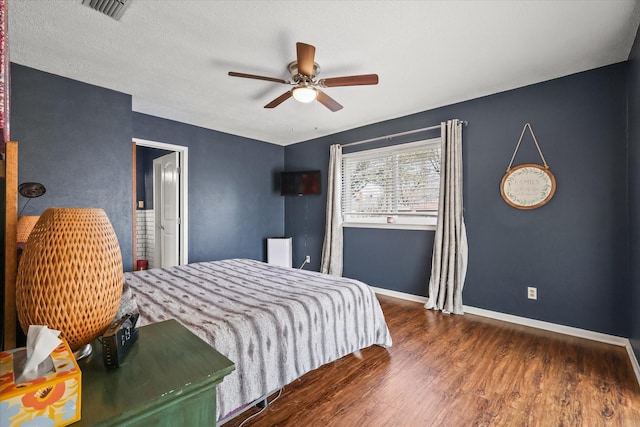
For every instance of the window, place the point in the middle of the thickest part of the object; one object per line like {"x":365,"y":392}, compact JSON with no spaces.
{"x":392,"y":187}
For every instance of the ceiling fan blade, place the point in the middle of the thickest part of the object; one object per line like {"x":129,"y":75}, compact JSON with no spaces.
{"x":306,"y":54}
{"x":279,"y":100}
{"x":253,"y":76}
{"x":363,"y":79}
{"x":328,"y":101}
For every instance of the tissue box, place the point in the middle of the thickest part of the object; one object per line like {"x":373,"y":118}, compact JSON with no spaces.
{"x":52,"y":400}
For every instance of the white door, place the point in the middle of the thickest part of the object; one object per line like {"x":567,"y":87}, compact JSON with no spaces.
{"x":166,"y":179}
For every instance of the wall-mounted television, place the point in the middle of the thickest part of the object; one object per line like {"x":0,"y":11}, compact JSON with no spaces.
{"x":299,"y":183}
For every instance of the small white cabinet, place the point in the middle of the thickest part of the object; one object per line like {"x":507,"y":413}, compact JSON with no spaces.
{"x":279,"y":251}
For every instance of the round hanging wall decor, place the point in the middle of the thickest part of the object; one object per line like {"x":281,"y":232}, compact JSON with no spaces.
{"x":528,"y":186}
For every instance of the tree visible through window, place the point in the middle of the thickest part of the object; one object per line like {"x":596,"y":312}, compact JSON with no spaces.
{"x":392,"y":185}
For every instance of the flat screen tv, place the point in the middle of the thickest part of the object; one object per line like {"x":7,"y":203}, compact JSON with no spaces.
{"x":299,"y":183}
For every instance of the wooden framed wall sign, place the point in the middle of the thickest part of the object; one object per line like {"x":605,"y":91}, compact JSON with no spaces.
{"x":529,"y":185}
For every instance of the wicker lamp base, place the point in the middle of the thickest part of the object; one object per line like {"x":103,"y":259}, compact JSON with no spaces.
{"x":70,"y":275}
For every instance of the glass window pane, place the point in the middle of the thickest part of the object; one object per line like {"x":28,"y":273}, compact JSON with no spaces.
{"x":392,"y":185}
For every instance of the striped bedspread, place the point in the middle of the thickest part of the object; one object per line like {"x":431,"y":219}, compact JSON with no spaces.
{"x":274,"y":323}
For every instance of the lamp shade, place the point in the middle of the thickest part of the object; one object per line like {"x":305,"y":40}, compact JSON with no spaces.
{"x":70,"y":275}
{"x":304,"y":94}
{"x":24,"y":227}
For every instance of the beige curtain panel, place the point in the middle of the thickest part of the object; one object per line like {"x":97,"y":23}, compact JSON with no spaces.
{"x":332,"y":246}
{"x":450,"y":251}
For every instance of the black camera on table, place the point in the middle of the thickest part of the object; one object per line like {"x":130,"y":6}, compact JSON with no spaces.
{"x":118,"y":340}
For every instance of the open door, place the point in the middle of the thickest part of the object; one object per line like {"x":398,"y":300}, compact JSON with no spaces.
{"x":166,"y":197}
{"x":165,"y":207}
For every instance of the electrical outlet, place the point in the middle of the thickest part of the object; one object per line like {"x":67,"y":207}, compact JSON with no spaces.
{"x":307,"y":259}
{"x":532,"y":293}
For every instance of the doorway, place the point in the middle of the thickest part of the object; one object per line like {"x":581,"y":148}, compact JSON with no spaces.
{"x":160,"y":189}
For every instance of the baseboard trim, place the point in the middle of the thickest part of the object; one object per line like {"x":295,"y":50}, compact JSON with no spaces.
{"x":634,"y":360}
{"x":401,"y":295}
{"x":547,"y":326}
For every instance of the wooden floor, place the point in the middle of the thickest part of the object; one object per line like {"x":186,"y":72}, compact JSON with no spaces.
{"x":463,"y":371}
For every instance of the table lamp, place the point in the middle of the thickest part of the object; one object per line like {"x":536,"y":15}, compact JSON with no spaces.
{"x":70,"y":276}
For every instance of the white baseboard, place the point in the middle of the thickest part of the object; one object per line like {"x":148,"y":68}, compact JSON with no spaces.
{"x":634,"y":360}
{"x":401,"y":295}
{"x":547,"y":326}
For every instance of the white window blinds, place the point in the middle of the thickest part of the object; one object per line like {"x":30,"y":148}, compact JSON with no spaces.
{"x":392,"y":185}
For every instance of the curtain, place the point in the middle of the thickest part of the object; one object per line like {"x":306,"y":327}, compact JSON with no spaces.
{"x":332,"y":246}
{"x":449,"y":261}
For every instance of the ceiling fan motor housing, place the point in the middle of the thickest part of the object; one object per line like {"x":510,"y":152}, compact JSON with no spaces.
{"x":297,"y":77}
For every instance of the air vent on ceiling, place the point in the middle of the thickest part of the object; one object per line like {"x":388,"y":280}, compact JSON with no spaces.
{"x":112,"y":8}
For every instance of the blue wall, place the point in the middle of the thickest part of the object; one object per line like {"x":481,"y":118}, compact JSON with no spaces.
{"x":634,"y":190}
{"x":573,"y":249}
{"x":233,"y":203}
{"x":76,"y":139}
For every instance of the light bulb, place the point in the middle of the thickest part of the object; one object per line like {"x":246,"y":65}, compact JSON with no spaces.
{"x":304,"y":94}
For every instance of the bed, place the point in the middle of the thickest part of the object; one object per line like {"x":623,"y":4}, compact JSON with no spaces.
{"x":274,"y":323}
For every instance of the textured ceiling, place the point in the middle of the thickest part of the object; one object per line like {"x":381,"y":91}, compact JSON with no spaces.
{"x":173,"y":56}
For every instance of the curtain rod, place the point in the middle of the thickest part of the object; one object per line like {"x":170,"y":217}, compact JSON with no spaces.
{"x":395,"y":135}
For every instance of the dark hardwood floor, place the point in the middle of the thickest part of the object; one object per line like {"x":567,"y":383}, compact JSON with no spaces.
{"x":463,"y":371}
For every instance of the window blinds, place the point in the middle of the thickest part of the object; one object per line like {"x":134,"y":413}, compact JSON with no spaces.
{"x":398,"y":180}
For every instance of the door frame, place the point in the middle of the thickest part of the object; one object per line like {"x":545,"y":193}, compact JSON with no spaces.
{"x":183,"y":152}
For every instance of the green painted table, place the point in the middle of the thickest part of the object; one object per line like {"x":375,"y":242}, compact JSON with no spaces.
{"x":168,"y":378}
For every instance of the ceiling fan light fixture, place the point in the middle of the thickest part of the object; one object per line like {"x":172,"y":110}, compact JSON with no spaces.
{"x":306,"y":86}
{"x":304,"y":94}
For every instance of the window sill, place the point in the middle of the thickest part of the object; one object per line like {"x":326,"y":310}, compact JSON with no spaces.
{"x":389,"y":226}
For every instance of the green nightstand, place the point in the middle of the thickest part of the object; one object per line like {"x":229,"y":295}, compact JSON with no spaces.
{"x":168,"y":378}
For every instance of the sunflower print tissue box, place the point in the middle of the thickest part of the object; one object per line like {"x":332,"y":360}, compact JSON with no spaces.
{"x":50,"y":400}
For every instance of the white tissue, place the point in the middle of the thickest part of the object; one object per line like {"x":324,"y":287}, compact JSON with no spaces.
{"x":41,"y":341}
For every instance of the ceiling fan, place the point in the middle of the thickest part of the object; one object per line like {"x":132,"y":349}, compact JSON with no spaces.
{"x":304,"y":79}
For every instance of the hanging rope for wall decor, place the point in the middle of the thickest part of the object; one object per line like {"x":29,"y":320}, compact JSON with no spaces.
{"x":527,"y":126}
{"x":529,"y":185}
